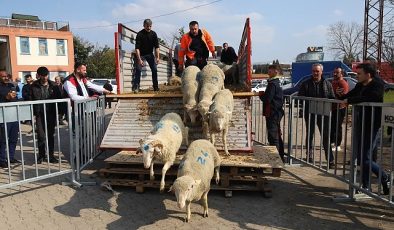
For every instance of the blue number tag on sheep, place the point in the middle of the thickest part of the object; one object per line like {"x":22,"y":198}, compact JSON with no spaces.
{"x":159,"y":126}
{"x":146,"y":147}
{"x":201,"y":160}
{"x":176,"y":128}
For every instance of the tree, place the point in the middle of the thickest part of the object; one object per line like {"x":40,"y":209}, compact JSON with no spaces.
{"x":82,"y":49}
{"x":345,"y":40}
{"x":101,"y":63}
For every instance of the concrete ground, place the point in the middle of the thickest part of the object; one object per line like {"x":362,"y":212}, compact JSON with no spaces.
{"x":302,"y":199}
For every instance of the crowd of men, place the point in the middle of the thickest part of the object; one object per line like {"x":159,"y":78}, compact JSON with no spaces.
{"x":75,"y":86}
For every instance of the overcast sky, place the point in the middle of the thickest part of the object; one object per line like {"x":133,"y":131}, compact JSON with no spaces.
{"x":281,"y":29}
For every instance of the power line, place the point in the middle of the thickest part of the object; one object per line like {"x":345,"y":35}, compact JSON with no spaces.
{"x":157,"y":16}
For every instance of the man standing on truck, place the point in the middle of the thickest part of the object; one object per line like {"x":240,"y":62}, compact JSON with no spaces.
{"x":145,"y":42}
{"x":196,"y":45}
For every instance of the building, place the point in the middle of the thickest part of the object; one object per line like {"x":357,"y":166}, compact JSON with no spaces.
{"x":27,"y":43}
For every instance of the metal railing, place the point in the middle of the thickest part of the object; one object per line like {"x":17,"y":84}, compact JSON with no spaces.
{"x":346,"y":145}
{"x":30,"y":141}
{"x":29,"y":24}
{"x":88,"y":131}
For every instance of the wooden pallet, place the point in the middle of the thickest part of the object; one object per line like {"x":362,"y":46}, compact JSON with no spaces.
{"x":238,"y":172}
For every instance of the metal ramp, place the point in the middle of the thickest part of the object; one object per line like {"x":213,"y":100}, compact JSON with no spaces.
{"x":136,"y":114}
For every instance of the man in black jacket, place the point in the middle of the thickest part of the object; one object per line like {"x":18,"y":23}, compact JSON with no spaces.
{"x":145,"y":42}
{"x":319,"y":88}
{"x":273,"y":109}
{"x":368,"y":89}
{"x":45,"y":89}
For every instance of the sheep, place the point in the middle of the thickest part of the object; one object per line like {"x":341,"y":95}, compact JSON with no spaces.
{"x":220,"y":116}
{"x":163,"y":143}
{"x":212,"y":81}
{"x":195,"y":173}
{"x":190,"y":91}
{"x":174,"y":81}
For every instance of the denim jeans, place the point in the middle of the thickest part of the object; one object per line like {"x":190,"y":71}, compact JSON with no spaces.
{"x":150,"y":58}
{"x":12,"y":134}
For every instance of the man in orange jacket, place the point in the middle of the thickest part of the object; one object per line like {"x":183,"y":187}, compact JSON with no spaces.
{"x":196,"y":46}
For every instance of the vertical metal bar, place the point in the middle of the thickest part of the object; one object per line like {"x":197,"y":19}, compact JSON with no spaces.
{"x":58,"y":136}
{"x":7,"y":145}
{"x":33,"y":126}
{"x":362,"y":144}
{"x":46,"y":137}
{"x":20,"y":143}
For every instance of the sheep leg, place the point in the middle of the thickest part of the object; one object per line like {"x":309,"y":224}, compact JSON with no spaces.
{"x":212,"y":138}
{"x":205,"y":204}
{"x":166,"y":166}
{"x":188,"y":213}
{"x":205,"y":129}
{"x":185,"y":116}
{"x":224,"y":137}
{"x":151,"y":172}
{"x":186,"y":137}
{"x":217,"y":176}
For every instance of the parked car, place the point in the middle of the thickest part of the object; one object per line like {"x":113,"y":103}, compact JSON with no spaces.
{"x":260,"y":87}
{"x":102,"y":81}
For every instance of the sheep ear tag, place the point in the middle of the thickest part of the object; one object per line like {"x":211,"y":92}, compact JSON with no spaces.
{"x":146,"y":147}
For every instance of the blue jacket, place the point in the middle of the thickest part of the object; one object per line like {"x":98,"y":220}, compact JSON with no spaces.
{"x":273,"y":100}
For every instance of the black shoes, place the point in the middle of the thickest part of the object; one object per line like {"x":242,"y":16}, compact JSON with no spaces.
{"x":15,"y":161}
{"x":386,"y":185}
{"x":52,"y":159}
{"x":155,"y":88}
{"x":3,"y":165}
{"x":135,"y":89}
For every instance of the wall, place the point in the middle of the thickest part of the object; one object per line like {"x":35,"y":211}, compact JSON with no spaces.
{"x":20,"y":63}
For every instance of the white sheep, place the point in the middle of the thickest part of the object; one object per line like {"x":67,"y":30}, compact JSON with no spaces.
{"x":220,"y":113}
{"x":212,"y":81}
{"x":163,"y":144}
{"x":195,"y":173}
{"x":174,"y":81}
{"x":190,"y":91}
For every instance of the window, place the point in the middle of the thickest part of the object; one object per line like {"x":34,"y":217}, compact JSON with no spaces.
{"x":60,"y":48}
{"x":62,"y":74}
{"x":25,"y":45}
{"x":42,"y":46}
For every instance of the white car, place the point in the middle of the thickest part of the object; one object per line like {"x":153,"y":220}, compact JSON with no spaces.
{"x":102,"y":81}
{"x":260,"y":87}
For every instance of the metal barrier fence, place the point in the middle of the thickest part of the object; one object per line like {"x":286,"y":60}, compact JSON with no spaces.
{"x":31,"y":143}
{"x":342,"y":146}
{"x":348,"y":151}
{"x":259,"y":129}
{"x":89,"y":121}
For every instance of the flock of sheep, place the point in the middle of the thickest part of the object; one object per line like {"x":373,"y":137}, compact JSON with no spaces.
{"x":204,"y":96}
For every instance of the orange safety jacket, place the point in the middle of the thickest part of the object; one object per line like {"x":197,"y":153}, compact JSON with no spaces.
{"x":186,"y":40}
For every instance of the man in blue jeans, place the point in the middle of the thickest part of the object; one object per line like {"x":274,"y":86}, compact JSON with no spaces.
{"x":9,"y":130}
{"x":368,"y":89}
{"x":145,"y":42}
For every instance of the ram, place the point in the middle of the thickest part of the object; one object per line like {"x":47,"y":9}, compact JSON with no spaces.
{"x":212,"y":81}
{"x":200,"y":162}
{"x":190,"y":92}
{"x":220,"y":113}
{"x":163,"y":144}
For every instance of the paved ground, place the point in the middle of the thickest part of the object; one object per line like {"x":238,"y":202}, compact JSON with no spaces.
{"x":302,"y":199}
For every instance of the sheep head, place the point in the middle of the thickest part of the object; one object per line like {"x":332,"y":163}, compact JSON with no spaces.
{"x":184,"y":187}
{"x":150,"y":149}
{"x":203,"y":107}
{"x":217,"y":120}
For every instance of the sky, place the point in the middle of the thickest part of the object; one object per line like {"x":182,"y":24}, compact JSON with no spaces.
{"x":281,"y":29}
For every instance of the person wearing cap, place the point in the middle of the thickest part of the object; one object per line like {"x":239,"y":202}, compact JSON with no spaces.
{"x":45,"y":89}
{"x":8,"y":94}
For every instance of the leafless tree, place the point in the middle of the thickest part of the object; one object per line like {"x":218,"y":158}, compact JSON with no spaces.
{"x":345,"y":40}
{"x":388,"y":33}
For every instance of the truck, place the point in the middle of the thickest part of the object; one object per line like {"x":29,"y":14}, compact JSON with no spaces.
{"x":136,"y":113}
{"x":302,"y":69}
